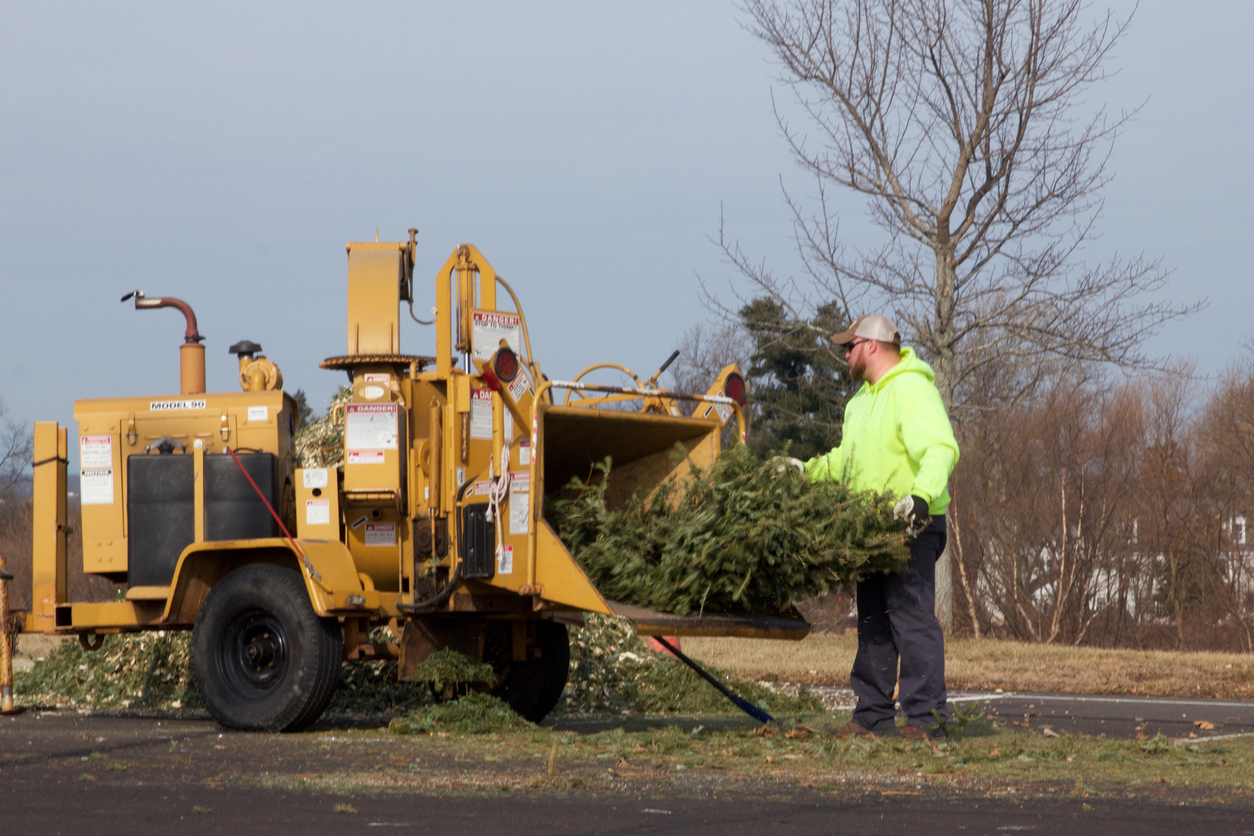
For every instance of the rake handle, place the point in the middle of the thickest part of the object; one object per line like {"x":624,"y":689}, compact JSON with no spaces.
{"x":738,"y":701}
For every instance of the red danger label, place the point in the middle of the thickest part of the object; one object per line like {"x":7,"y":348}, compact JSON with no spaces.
{"x":499,"y":319}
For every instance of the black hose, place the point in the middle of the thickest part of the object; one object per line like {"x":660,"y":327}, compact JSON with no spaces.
{"x":416,"y":319}
{"x":431,"y":604}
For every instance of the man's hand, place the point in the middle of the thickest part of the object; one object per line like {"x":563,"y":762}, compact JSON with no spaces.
{"x":783,"y":462}
{"x":914,"y":511}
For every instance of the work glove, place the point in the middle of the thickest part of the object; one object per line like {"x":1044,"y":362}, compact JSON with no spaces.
{"x":782,"y":464}
{"x":913,"y":511}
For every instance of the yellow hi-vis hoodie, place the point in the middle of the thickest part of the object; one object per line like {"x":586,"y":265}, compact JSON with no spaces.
{"x":897,"y":438}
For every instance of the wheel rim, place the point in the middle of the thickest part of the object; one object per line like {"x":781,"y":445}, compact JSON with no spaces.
{"x":254,"y":653}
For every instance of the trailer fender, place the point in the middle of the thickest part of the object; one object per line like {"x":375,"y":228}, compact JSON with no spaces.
{"x":327,"y":567}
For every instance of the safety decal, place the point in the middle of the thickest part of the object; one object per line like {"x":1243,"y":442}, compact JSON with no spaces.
{"x":314,"y":477}
{"x":488,"y":328}
{"x":95,"y":451}
{"x":481,"y":414}
{"x":96,"y":486}
{"x":521,"y":385}
{"x":724,"y":411}
{"x":317,"y":512}
{"x":370,"y":426}
{"x":380,"y":534}
{"x":95,"y":469}
{"x":519,"y":501}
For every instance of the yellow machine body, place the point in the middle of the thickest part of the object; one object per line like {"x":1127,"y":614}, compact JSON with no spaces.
{"x":436,"y":514}
{"x":191,"y":432}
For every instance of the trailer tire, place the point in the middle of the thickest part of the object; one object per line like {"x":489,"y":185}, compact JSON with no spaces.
{"x":262,"y":659}
{"x":532,"y":689}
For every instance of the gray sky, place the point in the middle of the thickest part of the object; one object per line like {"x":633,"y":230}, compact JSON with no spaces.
{"x":224,"y":153}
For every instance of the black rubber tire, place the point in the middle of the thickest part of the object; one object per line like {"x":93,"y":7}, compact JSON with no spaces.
{"x":532,"y":689}
{"x":262,"y":658}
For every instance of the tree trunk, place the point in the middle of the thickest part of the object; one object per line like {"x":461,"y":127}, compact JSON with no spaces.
{"x":945,"y":591}
{"x":956,"y":560}
{"x":946,"y":375}
{"x":1177,"y":607}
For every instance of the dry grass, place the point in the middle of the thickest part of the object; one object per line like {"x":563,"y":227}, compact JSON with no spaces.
{"x":986,"y":664}
{"x":984,"y":760}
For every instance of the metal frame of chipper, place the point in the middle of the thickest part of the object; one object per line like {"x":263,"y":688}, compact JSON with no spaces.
{"x":433,"y":524}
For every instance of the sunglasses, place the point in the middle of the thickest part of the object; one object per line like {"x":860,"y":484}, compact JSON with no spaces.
{"x":849,"y":347}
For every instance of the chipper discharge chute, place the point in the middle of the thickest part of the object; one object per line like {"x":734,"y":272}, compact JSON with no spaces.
{"x":421,"y":507}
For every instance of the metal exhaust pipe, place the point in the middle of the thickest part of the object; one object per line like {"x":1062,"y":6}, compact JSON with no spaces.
{"x":191,"y":352}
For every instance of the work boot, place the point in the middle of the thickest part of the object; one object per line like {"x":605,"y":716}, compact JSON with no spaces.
{"x":850,"y":730}
{"x":910,"y":732}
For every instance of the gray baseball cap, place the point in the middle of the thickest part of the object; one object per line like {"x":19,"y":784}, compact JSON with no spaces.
{"x":870,"y":327}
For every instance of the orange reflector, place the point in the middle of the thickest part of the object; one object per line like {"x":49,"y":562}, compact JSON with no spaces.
{"x":505,"y":364}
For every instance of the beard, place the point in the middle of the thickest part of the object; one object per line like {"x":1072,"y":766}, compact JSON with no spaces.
{"x":857,"y":369}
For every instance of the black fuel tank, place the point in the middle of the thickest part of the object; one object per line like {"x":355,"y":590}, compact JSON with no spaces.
{"x":161,"y":514}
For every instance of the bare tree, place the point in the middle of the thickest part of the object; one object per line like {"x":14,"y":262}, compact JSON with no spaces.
{"x":1176,"y":529}
{"x":16,"y":448}
{"x":1046,"y":498}
{"x":962,"y":124}
{"x":1224,"y":438}
{"x":959,"y":121}
{"x":703,"y":352}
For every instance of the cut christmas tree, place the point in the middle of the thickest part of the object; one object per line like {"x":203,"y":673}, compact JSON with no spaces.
{"x":742,"y":536}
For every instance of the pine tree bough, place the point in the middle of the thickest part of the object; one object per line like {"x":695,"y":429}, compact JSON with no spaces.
{"x":740,"y":536}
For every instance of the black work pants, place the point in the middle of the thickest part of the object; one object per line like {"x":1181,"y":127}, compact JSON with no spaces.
{"x":897,"y":620}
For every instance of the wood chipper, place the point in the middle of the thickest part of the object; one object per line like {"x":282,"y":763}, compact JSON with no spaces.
{"x":433,"y":524}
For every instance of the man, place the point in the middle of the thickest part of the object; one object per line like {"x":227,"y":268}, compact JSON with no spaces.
{"x":897,"y":438}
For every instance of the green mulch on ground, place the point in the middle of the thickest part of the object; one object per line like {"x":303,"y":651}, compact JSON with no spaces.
{"x":137,"y":671}
{"x":447,"y":671}
{"x":612,"y":671}
{"x":474,"y":713}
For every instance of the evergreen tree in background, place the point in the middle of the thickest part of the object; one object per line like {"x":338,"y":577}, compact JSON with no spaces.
{"x":304,"y":412}
{"x":799,"y":382}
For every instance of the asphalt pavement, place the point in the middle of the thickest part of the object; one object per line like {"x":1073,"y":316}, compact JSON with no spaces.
{"x":1110,"y":715}
{"x":1118,"y":716}
{"x":57,"y":776}
{"x":104,"y":810}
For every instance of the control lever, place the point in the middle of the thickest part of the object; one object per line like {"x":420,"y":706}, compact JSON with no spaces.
{"x":653,"y":380}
